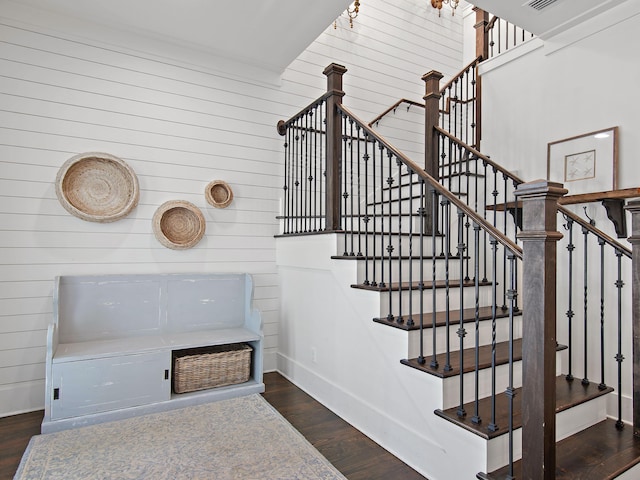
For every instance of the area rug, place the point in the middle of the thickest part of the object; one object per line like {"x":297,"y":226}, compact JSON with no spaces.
{"x":241,"y":438}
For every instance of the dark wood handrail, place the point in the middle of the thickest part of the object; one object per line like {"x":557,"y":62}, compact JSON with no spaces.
{"x":490,"y":229}
{"x":393,"y":107}
{"x":566,"y":212}
{"x":473,"y":63}
{"x":284,"y":124}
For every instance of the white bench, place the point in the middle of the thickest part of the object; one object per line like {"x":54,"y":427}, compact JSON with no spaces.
{"x":109,"y":348}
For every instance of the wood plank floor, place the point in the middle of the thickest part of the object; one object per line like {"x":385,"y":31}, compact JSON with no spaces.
{"x":354,"y":454}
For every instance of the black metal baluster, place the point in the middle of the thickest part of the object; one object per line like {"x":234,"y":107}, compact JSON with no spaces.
{"x":374,"y":280}
{"x":313,"y":182}
{"x":285,"y":187}
{"x":585,"y":379}
{"x":304,"y":173}
{"x":447,"y":224}
{"x":461,"y":330}
{"x":570,"y":314}
{"x":382,"y":247}
{"x":504,"y":260}
{"x":602,"y":384}
{"x":400,"y":200}
{"x":410,"y":321}
{"x":510,"y":392}
{"x":434,"y":225}
{"x":359,"y":195}
{"x":296,"y":182}
{"x":493,"y":426}
{"x":421,"y":216}
{"x":367,"y":218}
{"x":351,"y":190}
{"x":345,"y":194}
{"x":476,"y":419}
{"x":390,"y":249}
{"x":619,"y":357}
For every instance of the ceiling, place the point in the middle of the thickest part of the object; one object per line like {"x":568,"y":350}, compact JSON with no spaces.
{"x":272,"y":33}
{"x":265,"y":33}
{"x":545,"y":18}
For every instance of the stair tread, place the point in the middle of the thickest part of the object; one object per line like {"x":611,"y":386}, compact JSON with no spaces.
{"x":468,"y":316}
{"x":395,"y":286}
{"x":484,"y":354}
{"x":568,"y":394}
{"x":600,"y":452}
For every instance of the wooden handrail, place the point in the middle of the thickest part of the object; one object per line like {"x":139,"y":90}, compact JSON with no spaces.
{"x":393,"y":107}
{"x":284,"y":124}
{"x":473,"y":63}
{"x":490,"y":229}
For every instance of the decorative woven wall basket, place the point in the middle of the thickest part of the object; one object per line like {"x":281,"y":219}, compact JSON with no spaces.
{"x":97,"y":187}
{"x":178,"y":224}
{"x":219,"y":194}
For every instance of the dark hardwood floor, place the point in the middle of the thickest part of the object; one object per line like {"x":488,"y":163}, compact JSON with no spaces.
{"x":354,"y":454}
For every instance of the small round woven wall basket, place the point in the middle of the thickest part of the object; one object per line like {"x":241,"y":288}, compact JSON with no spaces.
{"x":97,"y":187}
{"x":178,"y":224}
{"x":219,"y":194}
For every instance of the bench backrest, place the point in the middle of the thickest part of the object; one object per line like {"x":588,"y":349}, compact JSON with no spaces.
{"x":104,"y":307}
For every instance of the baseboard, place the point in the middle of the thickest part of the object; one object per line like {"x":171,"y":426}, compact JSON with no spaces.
{"x":399,"y":439}
{"x":22,"y":398}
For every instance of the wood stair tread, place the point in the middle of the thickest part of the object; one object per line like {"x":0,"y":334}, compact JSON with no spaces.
{"x":568,"y":394}
{"x":484,"y":353}
{"x":600,"y":452}
{"x":468,"y":316}
{"x":395,"y":286}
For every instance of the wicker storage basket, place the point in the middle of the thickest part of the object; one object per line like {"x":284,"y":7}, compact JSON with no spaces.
{"x":209,"y":367}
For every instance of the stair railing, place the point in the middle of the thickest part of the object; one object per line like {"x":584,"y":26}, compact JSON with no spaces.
{"x":591,"y":310}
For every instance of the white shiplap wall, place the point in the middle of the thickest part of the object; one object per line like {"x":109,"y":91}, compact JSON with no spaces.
{"x":67,"y":87}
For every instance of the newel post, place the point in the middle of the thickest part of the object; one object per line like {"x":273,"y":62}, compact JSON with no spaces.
{"x":482,"y":37}
{"x":432,"y":117}
{"x":634,"y":239}
{"x":334,"y":73}
{"x":539,"y":245}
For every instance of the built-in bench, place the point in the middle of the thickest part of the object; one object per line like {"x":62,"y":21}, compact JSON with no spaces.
{"x":110,"y":345}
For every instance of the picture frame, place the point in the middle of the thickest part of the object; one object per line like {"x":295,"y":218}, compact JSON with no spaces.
{"x":585,"y":163}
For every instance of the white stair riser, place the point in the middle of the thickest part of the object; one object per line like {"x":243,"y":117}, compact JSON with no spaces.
{"x":400,"y":301}
{"x":406,"y":270}
{"x":451,"y":387}
{"x":484,"y":330}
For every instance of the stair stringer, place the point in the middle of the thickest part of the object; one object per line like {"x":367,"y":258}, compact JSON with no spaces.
{"x":331,"y":348}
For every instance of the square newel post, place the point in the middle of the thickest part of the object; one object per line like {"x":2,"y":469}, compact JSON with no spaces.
{"x":334,"y":73}
{"x":539,"y":245}
{"x":634,"y":239}
{"x":431,"y":151}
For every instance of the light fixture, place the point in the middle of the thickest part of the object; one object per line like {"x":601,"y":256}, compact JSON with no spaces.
{"x":438,"y":4}
{"x":353,"y":14}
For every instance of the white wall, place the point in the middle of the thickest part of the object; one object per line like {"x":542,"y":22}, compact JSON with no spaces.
{"x":180,"y":119}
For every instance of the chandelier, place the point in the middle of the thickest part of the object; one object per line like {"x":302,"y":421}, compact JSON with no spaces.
{"x":438,"y":4}
{"x":353,"y":14}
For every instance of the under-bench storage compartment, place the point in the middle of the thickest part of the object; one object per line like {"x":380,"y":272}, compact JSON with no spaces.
{"x":209,"y":367}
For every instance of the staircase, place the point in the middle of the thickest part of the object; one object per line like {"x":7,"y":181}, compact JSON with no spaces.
{"x":452,"y":295}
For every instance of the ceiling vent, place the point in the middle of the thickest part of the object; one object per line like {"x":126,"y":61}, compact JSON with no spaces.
{"x":540,"y":4}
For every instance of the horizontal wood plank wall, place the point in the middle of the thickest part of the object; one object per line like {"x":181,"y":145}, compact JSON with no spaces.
{"x":179,"y":123}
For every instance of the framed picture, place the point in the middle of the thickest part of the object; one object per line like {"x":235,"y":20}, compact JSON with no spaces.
{"x":585,"y":163}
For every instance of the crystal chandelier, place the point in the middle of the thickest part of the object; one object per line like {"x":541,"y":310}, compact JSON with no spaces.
{"x":438,"y":4}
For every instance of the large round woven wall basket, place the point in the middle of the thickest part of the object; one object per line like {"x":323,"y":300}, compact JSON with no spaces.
{"x":178,"y":224}
{"x":219,"y":194}
{"x":97,"y":187}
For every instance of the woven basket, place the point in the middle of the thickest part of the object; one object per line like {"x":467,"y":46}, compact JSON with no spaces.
{"x":178,"y":224}
{"x":209,"y":367}
{"x":97,"y":187}
{"x":219,"y":194}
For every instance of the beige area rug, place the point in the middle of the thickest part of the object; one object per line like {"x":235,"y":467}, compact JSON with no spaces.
{"x":241,"y":438}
